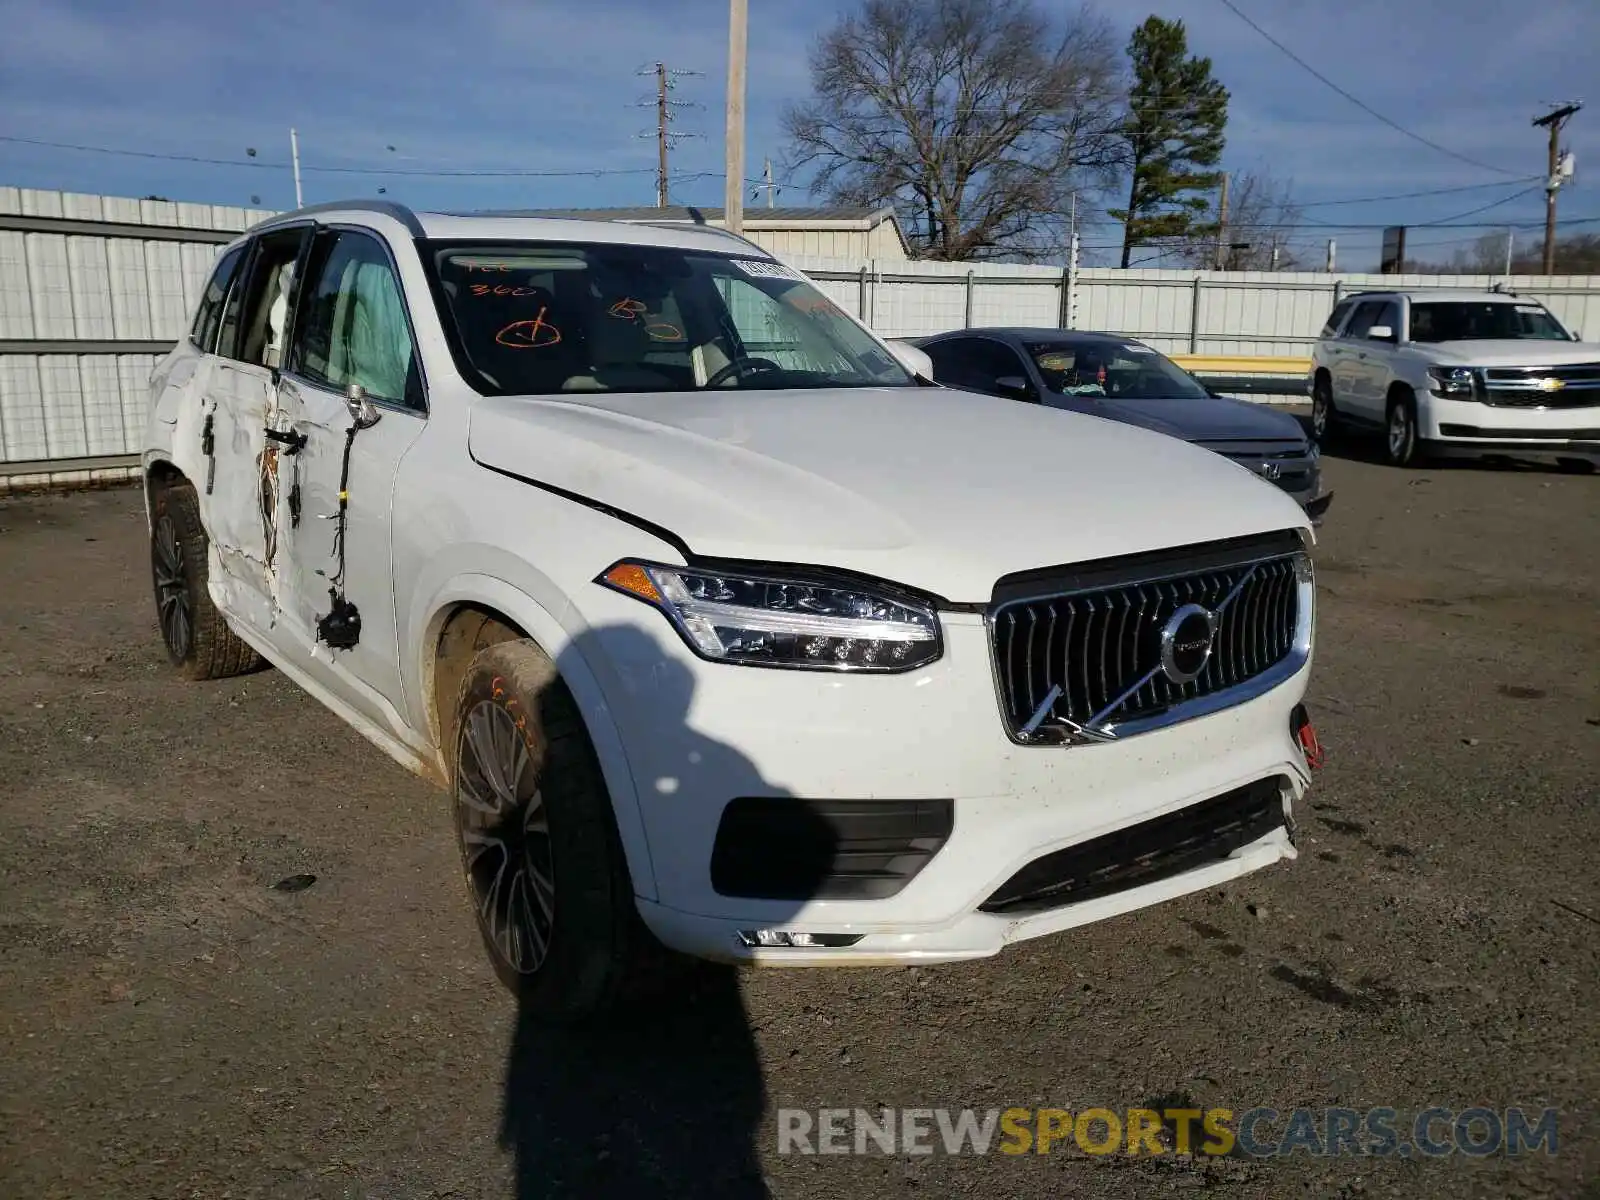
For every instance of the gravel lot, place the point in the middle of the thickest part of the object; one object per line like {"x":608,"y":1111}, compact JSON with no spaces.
{"x":174,"y":1026}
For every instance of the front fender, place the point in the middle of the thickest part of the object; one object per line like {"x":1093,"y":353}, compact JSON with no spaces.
{"x":558,"y":634}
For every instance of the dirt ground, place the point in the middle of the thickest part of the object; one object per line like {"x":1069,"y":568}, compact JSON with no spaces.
{"x":176,"y":1027}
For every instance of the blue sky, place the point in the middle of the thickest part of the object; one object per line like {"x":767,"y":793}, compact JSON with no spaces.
{"x":537,"y":85}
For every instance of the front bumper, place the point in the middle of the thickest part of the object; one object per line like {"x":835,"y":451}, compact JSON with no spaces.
{"x":700,"y":735}
{"x":1469,"y":427}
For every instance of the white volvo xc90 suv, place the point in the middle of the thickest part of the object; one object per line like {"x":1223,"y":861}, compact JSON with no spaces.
{"x":723,"y":628}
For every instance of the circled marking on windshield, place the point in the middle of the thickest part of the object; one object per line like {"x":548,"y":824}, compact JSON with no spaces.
{"x":529,"y":335}
{"x":660,"y":331}
{"x":627,"y":309}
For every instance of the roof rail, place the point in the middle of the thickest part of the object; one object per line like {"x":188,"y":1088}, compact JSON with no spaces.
{"x":387,"y":208}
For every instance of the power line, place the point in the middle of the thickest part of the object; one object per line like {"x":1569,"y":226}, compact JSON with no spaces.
{"x":283,"y":166}
{"x":1445,"y":221}
{"x":1362,"y":104}
{"x":1470,"y":187}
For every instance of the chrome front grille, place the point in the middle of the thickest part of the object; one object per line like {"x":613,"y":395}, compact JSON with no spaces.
{"x":1086,"y":662}
{"x":1291,"y":471}
{"x":1573,"y":386}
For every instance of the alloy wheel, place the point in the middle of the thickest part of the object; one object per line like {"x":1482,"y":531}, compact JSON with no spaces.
{"x":172,"y":590}
{"x":505,"y":838}
{"x":1399,"y":433}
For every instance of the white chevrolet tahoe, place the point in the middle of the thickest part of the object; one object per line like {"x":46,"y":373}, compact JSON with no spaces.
{"x":1457,"y":373}
{"x":722,"y":628}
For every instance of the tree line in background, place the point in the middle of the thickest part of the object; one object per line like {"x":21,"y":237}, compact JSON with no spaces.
{"x":991,"y":124}
{"x":992,"y":127}
{"x":1576,"y":254}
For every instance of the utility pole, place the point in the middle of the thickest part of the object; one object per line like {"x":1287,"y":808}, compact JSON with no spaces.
{"x":1333,"y":256}
{"x":664,"y":135}
{"x":1222,"y":224}
{"x":661,"y":135}
{"x":766,"y":181}
{"x":1553,"y":121}
{"x":294,"y":156}
{"x":1508,"y":252}
{"x":733,"y":193}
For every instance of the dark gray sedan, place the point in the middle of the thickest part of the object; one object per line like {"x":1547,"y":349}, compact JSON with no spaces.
{"x":1121,"y":379}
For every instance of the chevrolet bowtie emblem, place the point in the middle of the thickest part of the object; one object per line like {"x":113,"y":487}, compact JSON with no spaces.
{"x":1552,"y":384}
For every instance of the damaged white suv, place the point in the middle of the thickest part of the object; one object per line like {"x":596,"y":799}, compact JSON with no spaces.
{"x":723,"y":629}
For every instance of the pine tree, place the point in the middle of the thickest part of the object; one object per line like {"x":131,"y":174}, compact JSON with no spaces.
{"x":1176,"y":117}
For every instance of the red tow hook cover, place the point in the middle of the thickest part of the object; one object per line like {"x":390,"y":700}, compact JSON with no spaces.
{"x":1306,"y":737}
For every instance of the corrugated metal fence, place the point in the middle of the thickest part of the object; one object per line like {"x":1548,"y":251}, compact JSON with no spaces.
{"x":93,"y":289}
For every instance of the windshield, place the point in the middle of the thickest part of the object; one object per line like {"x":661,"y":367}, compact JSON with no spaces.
{"x":1124,"y":370}
{"x":1472,"y":321}
{"x":535,"y":318}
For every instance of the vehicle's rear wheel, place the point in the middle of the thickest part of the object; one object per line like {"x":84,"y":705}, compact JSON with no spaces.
{"x":539,"y":846}
{"x":1400,"y":442}
{"x":197,"y":638}
{"x":1324,"y":419}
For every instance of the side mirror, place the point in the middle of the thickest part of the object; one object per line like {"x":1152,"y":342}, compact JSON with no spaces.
{"x":911,"y":358}
{"x":362,"y":410}
{"x":1014,"y":386}
{"x":1380,"y":333}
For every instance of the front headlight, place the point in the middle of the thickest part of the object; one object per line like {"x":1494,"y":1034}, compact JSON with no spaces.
{"x":1451,"y":381}
{"x":761,"y":620}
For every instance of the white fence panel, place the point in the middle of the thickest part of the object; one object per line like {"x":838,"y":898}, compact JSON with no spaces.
{"x":136,"y":279}
{"x":22,"y":409}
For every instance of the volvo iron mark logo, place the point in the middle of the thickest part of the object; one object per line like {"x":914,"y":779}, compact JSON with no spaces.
{"x":1186,"y":641}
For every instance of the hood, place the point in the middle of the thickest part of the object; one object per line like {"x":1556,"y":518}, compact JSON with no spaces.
{"x":939,"y":490}
{"x":1205,"y":419}
{"x":1508,"y":352}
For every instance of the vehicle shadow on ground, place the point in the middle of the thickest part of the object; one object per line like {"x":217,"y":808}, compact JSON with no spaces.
{"x":665,"y":1097}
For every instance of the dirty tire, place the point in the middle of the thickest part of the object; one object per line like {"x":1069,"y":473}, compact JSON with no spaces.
{"x":543,"y":863}
{"x":198,"y":640}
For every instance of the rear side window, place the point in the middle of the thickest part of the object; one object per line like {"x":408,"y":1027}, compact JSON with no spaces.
{"x":203,"y":333}
{"x":1335,"y":317}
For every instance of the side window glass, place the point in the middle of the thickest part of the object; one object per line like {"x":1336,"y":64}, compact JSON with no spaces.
{"x":949,"y":366}
{"x":1389,"y":315}
{"x":353,"y":323}
{"x":228,"y":329}
{"x":1366,"y":316}
{"x":255,"y":316}
{"x":991,"y":361}
{"x":209,"y":315}
{"x":1335,"y":317}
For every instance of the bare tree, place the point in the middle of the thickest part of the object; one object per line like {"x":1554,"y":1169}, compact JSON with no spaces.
{"x":1576,"y":254}
{"x":976,"y":119}
{"x":1262,"y":216}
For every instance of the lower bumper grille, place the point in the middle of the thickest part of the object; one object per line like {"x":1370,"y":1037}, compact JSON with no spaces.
{"x":788,"y":848}
{"x":1145,"y":853}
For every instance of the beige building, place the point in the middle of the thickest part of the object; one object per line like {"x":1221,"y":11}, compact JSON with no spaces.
{"x":858,"y":234}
